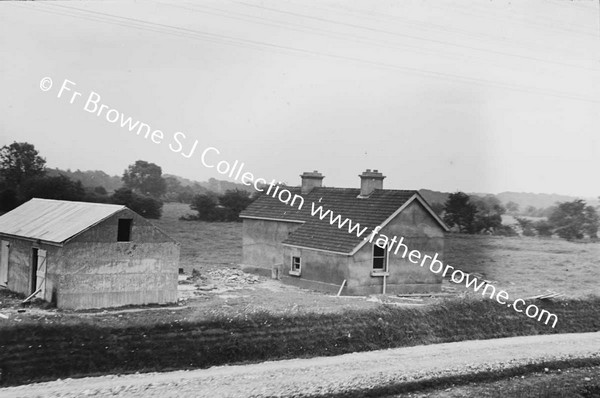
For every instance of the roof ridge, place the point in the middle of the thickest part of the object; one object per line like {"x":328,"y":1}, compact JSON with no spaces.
{"x":78,"y":201}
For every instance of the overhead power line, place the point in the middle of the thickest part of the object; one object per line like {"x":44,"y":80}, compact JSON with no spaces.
{"x":414,"y":37}
{"x":137,"y":23}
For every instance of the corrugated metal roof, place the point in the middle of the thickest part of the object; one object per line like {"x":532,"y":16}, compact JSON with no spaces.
{"x":54,"y":220}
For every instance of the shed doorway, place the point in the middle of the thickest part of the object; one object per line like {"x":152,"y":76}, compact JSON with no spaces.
{"x":4,"y":247}
{"x":38,"y":272}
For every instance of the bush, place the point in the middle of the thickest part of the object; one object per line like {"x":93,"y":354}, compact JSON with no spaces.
{"x":8,"y":200}
{"x":59,"y":187}
{"x":505,"y":230}
{"x":543,"y":228}
{"x":145,"y":206}
{"x":528,"y":232}
{"x":226,"y":207}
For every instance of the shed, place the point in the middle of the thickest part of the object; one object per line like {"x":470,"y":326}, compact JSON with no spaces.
{"x":86,"y":255}
{"x":292,"y":244}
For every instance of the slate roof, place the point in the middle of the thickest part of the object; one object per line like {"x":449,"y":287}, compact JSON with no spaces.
{"x":54,"y":221}
{"x":320,"y":234}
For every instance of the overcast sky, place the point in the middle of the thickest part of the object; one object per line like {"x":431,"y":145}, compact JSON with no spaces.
{"x":478,"y":96}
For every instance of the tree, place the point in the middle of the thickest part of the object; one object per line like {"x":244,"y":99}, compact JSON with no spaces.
{"x":531,"y":211}
{"x":505,"y":230}
{"x":438,"y":208}
{"x":236,"y":200}
{"x":543,"y":228}
{"x":572,"y":220}
{"x":460,"y":212}
{"x":145,"y":206}
{"x":20,"y":161}
{"x":590,"y":224}
{"x":100,"y":190}
{"x":145,"y":178}
{"x":172,"y":189}
{"x":512,"y":207}
{"x":526,"y":225}
{"x":58,"y":187}
{"x":205,"y":205}
{"x":489,"y":213}
{"x":226,"y":207}
{"x":8,"y":199}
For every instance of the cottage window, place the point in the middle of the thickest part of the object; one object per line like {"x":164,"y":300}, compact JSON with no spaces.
{"x":124,"y":230}
{"x":379,"y":258}
{"x":295,"y":266}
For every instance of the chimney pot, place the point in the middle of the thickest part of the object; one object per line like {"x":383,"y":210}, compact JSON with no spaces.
{"x":370,"y":181}
{"x":310,"y":180}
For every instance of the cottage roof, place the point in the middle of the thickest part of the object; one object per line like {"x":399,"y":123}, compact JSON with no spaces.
{"x":369,"y":212}
{"x":54,"y":221}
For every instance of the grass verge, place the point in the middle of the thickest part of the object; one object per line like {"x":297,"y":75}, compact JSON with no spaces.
{"x":40,"y":352}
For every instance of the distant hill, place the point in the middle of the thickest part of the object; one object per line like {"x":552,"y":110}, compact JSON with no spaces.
{"x":90,"y":178}
{"x":214,"y":185}
{"x":523,"y":199}
{"x":95,"y":178}
{"x":434,"y":196}
{"x":537,"y":200}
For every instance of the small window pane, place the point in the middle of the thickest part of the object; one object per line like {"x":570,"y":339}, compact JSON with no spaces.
{"x":295,"y":263}
{"x":379,"y":258}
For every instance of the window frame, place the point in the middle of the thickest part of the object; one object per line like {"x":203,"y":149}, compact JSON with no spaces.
{"x":293,"y":271}
{"x":386,"y":257}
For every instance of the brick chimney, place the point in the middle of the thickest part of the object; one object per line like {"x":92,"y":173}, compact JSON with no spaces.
{"x":369,"y":181}
{"x":310,"y":180}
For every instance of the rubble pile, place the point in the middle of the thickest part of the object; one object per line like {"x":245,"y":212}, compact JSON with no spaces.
{"x":216,"y":281}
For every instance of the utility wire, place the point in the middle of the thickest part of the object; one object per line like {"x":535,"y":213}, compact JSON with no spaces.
{"x":248,"y":43}
{"x":341,"y":36}
{"x":477,"y":11}
{"x":445,"y":29}
{"x":441,"y":42}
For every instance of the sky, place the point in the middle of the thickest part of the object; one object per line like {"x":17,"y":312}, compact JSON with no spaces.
{"x":476,"y":96}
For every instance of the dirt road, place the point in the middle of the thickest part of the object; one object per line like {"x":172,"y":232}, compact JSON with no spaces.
{"x":326,"y":375}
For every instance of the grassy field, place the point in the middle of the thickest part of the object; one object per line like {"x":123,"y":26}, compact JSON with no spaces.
{"x":525,"y":266}
{"x":203,"y":244}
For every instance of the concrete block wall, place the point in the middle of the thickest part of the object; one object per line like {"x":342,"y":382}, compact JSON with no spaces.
{"x":96,"y":271}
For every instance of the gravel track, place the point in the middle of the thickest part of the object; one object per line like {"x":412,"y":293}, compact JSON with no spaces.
{"x":327,"y":375}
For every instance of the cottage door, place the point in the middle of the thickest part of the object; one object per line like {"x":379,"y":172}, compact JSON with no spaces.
{"x":40,"y":280}
{"x":4,"y":263}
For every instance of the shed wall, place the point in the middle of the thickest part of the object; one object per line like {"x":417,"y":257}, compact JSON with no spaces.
{"x":97,"y":271}
{"x":19,"y":266}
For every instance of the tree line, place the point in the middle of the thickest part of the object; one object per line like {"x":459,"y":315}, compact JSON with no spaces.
{"x":23,"y":176}
{"x":483,"y":215}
